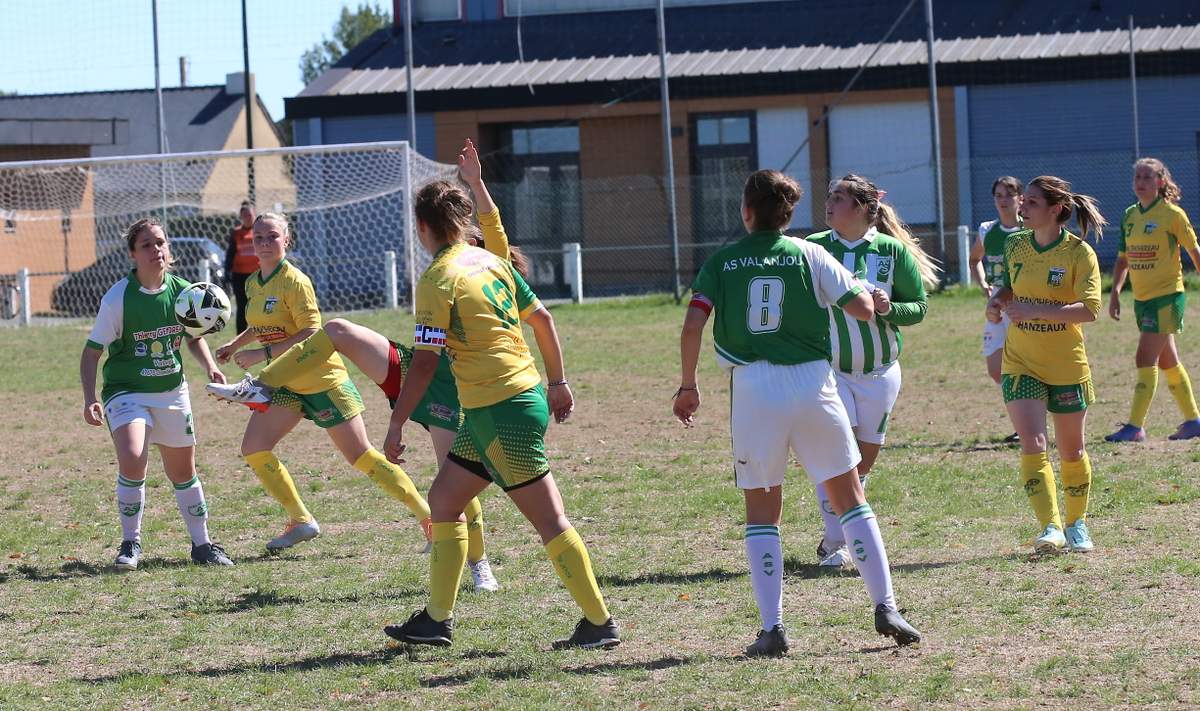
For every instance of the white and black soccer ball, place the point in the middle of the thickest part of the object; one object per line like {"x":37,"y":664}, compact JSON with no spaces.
{"x":202,"y":308}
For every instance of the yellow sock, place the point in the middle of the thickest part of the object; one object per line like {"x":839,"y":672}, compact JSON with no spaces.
{"x":1180,"y":386}
{"x":574,"y":568}
{"x":1143,"y":395}
{"x":392,"y":479}
{"x":1037,"y":476}
{"x":446,"y":559}
{"x":474,"y":513}
{"x":275,"y":479}
{"x":1077,"y":484}
{"x":298,"y":360}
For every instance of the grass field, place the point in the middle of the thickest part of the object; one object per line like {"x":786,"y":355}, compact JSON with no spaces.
{"x":655,"y":504}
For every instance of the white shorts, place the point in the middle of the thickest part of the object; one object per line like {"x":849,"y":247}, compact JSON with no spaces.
{"x":994,"y":334}
{"x":780,"y":407}
{"x":869,"y":398}
{"x":167,"y":416}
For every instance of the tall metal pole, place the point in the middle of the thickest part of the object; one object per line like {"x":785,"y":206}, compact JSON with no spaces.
{"x":1137,"y":140}
{"x":937,"y":135}
{"x":158,"y":101}
{"x":668,"y":152}
{"x":409,"y":91}
{"x":248,"y":90}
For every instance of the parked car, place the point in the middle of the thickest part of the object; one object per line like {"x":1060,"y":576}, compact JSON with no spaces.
{"x":80,"y":293}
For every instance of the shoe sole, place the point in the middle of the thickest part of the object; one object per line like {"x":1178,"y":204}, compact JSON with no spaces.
{"x":599,"y":644}
{"x":1048,"y":549}
{"x":125,"y":566}
{"x":276,"y":549}
{"x":485,"y":588}
{"x":413,"y":639}
{"x":774,"y":654}
{"x":1081,"y":549}
{"x":902,"y":637}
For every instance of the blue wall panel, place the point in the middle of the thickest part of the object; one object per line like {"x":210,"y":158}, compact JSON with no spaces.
{"x":380,"y":127}
{"x":1083,"y":131}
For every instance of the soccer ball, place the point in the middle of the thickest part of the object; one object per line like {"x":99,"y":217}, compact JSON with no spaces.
{"x":202,"y":308}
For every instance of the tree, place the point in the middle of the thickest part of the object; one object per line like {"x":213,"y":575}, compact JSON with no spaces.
{"x":351,"y":28}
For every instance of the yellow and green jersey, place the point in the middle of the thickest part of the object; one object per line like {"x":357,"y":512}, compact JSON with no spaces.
{"x":1063,"y":272}
{"x":471,"y":303}
{"x":1150,"y":240}
{"x":770,"y":293}
{"x":881,"y":262}
{"x":993,"y":236}
{"x":138,"y":327}
{"x":280,"y":305}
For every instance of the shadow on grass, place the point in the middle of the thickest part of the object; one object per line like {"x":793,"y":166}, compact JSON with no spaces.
{"x":705,"y":576}
{"x":347,"y":659}
{"x":82,"y":569}
{"x":259,"y":599}
{"x":521,"y":671}
{"x":961,"y":446}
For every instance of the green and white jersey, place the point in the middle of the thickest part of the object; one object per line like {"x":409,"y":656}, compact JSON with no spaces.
{"x":993,"y":235}
{"x":880,"y":262}
{"x":771,"y":293}
{"x":143,"y":338}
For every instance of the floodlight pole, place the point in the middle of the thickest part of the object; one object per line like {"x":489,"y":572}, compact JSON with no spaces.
{"x":937,"y":135}
{"x":409,"y":90}
{"x":248,"y":90}
{"x":1137,"y":141}
{"x":158,"y":102}
{"x":668,"y":152}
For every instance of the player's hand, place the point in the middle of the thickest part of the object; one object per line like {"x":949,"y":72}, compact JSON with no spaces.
{"x":987,"y":290}
{"x":224,"y":353}
{"x":393,"y":444}
{"x":1021,"y":311}
{"x":216,"y":376}
{"x":995,"y":311}
{"x":883,"y":305}
{"x":248,"y":357}
{"x":468,"y":163}
{"x":1114,"y":307}
{"x":686,"y":404}
{"x":93,"y":413}
{"x":562,"y":402}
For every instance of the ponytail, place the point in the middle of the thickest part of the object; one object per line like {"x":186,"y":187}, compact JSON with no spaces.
{"x":519,"y":261}
{"x":1169,"y":191}
{"x":1087,"y":210}
{"x":889,"y":223}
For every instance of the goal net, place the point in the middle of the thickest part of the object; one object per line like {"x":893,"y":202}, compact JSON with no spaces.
{"x":348,"y":206}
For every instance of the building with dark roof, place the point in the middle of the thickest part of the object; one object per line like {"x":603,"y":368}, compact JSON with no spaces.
{"x":567,"y":95}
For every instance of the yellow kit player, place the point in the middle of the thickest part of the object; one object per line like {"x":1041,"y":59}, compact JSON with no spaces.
{"x":470,"y":303}
{"x":282,"y":311}
{"x":1152,"y":232}
{"x":1050,"y":288}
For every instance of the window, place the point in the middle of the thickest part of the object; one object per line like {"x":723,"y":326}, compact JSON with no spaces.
{"x":723,"y":156}
{"x":434,"y":10}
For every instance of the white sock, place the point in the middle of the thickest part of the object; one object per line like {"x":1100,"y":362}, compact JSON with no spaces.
{"x":131,"y":503}
{"x":765,"y":555}
{"x":866,"y":548}
{"x":194,"y":509}
{"x":834,"y":538}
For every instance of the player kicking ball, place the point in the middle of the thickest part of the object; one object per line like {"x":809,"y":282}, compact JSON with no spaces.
{"x":769,"y":296}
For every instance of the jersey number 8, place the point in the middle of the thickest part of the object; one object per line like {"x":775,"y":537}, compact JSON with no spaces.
{"x":764,"y":308}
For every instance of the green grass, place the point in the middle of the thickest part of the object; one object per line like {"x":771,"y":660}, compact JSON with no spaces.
{"x":656,"y":506}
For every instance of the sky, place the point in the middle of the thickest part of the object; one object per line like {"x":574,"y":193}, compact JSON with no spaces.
{"x":53,"y":46}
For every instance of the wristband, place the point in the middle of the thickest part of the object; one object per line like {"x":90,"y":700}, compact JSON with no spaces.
{"x":557,"y":382}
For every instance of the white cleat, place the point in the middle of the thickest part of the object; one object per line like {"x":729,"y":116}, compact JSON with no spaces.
{"x":247,"y":391}
{"x":481,"y":574}
{"x":1051,"y":542}
{"x":293,"y":534}
{"x":839,"y":559}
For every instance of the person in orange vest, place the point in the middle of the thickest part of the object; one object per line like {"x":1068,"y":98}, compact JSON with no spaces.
{"x":240,"y":260}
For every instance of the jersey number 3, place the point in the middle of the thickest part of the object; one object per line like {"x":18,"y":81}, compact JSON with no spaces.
{"x":764,"y":301}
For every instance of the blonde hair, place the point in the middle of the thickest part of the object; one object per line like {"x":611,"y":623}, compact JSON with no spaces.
{"x":1170,"y":189}
{"x":280,"y":220}
{"x":884,"y":218}
{"x":1087,"y":210}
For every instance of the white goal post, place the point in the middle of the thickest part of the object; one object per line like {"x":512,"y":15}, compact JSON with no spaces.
{"x":61,"y":241}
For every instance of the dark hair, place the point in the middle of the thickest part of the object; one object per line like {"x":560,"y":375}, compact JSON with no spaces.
{"x":1009,"y":182}
{"x":884,"y":218}
{"x":1087,"y":210}
{"x":246,"y":203}
{"x":771,"y":197}
{"x":132,"y":232}
{"x":447,"y":210}
{"x":520,"y":262}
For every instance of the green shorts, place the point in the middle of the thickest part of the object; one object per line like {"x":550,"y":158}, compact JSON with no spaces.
{"x":326,"y":409}
{"x":1162,"y":314}
{"x":439,"y":405}
{"x":1060,"y":399}
{"x":505,"y":443}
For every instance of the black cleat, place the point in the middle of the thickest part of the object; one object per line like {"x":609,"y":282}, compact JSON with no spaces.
{"x":423,"y":629}
{"x":590,"y":636}
{"x":210,"y":554}
{"x":1013,"y":438}
{"x":889,"y":623}
{"x":128,"y":555}
{"x":770,"y":643}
